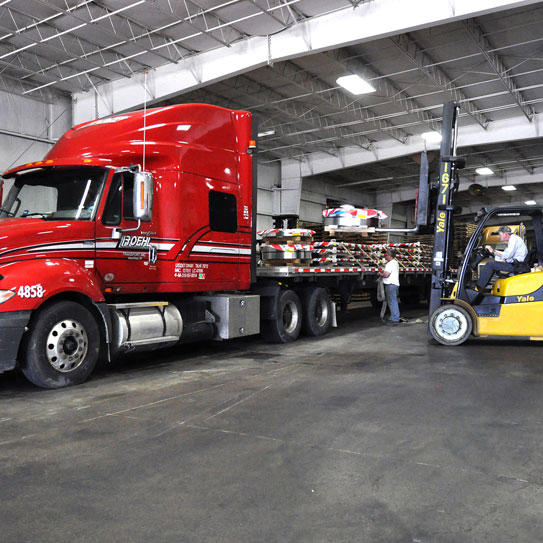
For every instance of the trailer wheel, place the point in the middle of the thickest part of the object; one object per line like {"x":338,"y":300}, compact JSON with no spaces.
{"x":288,"y":321}
{"x":410,"y":298}
{"x":375,"y":303}
{"x":61,"y":347}
{"x":450,"y":325}
{"x":317,"y":311}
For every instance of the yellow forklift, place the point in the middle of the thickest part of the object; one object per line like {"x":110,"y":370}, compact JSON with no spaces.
{"x":514,"y":305}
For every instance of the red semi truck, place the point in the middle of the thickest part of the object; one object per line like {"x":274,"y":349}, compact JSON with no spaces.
{"x":138,"y":231}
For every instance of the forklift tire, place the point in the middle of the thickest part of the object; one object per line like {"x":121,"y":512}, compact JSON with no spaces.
{"x":61,"y":347}
{"x":450,"y":324}
{"x":287,"y":324}
{"x":317,"y":311}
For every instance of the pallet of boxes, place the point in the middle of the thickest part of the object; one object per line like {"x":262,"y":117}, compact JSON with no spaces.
{"x":353,"y":225}
{"x":343,"y":238}
{"x":355,"y":242}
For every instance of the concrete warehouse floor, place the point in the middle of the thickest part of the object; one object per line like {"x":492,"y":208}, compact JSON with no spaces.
{"x":369,"y":434}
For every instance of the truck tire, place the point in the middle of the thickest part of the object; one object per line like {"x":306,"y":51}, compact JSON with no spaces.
{"x":61,"y":347}
{"x":410,"y":298}
{"x":316,"y":310}
{"x":287,"y":324}
{"x":345,"y":298}
{"x":450,"y":324}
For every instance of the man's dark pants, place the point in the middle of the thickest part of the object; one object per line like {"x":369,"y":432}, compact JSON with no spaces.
{"x":489,"y":269}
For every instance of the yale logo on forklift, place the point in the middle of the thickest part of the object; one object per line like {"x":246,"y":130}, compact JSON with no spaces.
{"x":134,"y":242}
{"x":445,"y":180}
{"x":525,"y":299}
{"x":441,"y":221}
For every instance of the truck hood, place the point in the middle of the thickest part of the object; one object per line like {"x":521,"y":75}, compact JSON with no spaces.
{"x":38,"y":238}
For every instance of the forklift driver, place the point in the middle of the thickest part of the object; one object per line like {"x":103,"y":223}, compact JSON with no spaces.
{"x":515,"y":252}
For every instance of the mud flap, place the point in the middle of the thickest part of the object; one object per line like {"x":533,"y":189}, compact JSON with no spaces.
{"x":12,"y":327}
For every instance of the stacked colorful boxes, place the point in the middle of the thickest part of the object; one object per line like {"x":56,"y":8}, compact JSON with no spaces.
{"x":283,"y":246}
{"x":409,"y":255}
{"x":348,"y":216}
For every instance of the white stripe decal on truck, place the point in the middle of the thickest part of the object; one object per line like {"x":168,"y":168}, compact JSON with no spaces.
{"x":215,"y":249}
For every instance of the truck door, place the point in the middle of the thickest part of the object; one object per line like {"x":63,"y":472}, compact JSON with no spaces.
{"x":210,"y":234}
{"x":125,"y":252}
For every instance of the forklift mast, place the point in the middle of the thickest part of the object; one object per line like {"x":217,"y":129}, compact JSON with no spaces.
{"x":449,"y":164}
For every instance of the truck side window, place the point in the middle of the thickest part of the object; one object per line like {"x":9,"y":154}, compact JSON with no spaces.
{"x":223,"y":213}
{"x":119,"y":203}
{"x":114,"y":202}
{"x":128,"y":198}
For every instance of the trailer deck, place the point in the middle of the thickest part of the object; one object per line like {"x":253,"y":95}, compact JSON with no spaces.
{"x":290,"y":271}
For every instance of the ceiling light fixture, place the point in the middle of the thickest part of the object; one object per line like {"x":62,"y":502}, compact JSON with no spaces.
{"x":484,"y":171}
{"x":266,"y":133}
{"x":431,"y":137}
{"x":355,"y":84}
{"x":509,"y":188}
{"x":530,"y":202}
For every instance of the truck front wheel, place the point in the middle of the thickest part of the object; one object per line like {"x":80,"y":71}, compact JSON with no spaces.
{"x":61,"y":347}
{"x":286,"y":325}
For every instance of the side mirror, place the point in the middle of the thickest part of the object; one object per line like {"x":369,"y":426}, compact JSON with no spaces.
{"x":143,"y":196}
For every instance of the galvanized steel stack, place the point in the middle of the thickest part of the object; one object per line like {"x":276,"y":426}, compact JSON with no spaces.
{"x":409,"y":255}
{"x":286,"y":246}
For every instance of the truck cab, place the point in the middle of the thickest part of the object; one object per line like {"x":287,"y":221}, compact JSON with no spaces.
{"x":103,"y":241}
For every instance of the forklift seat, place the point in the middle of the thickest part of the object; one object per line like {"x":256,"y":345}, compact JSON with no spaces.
{"x":518,"y":285}
{"x":531,"y":258}
{"x":521,"y":267}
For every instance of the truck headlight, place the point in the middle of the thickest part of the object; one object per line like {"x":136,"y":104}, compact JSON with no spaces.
{"x":6,"y":295}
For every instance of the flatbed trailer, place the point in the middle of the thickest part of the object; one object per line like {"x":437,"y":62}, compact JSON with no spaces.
{"x":348,"y":281}
{"x":362,"y":272}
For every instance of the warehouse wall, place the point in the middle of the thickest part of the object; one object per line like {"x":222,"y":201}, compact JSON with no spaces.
{"x":269,"y":177}
{"x":29,"y":127}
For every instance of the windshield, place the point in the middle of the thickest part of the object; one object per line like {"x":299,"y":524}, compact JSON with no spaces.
{"x":55,"y":194}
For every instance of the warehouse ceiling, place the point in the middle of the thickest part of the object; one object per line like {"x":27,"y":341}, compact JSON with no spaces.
{"x":491,"y":65}
{"x":74,"y":45}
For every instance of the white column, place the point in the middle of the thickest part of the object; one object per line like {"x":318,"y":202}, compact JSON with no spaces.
{"x":291,"y":187}
{"x":385,"y":204}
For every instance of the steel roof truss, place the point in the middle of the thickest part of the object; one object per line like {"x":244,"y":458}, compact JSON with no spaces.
{"x":425,"y":63}
{"x":334,"y":98}
{"x":384,"y":86}
{"x":301,"y":114}
{"x":495,"y":61}
{"x":268,"y":13}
